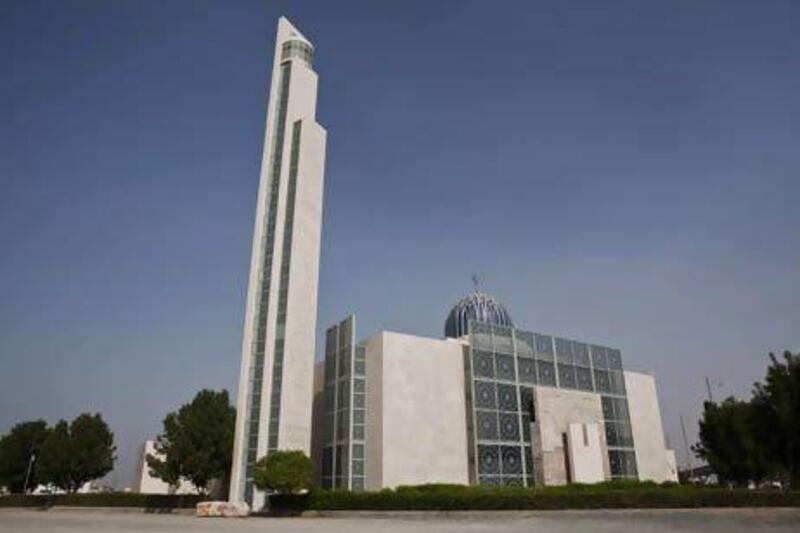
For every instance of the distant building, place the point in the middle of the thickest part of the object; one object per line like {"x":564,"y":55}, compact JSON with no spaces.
{"x":700,"y":475}
{"x":489,"y":404}
{"x":149,"y":484}
{"x":94,"y":487}
{"x":48,"y":489}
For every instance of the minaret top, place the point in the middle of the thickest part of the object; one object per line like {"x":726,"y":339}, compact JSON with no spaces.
{"x":288,"y":32}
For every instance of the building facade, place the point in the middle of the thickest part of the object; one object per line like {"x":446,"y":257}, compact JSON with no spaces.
{"x":276,"y":378}
{"x":495,"y":406}
{"x":148,"y":484}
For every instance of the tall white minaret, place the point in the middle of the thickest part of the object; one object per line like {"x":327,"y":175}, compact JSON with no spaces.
{"x":273,"y":410}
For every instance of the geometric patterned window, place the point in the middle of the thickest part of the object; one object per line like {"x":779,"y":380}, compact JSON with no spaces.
{"x":619,"y":438}
{"x":502,"y":340}
{"x":583,"y":378}
{"x":617,"y":382}
{"x":564,"y":351}
{"x":509,"y":427}
{"x":547,"y":373}
{"x":482,"y":337}
{"x":581,"y":354}
{"x":486,"y":422}
{"x":566,"y":377}
{"x":527,"y":369}
{"x":506,"y":364}
{"x":599,"y":359}
{"x":483,"y":364}
{"x":544,"y":347}
{"x":524,"y":343}
{"x":488,"y":459}
{"x":485,"y":395}
{"x":602,"y":380}
{"x":614,"y":359}
{"x":507,"y":397}
{"x":501,"y":414}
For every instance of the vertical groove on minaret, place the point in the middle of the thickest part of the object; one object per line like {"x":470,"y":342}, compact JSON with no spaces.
{"x":283,"y":293}
{"x":257,"y":370}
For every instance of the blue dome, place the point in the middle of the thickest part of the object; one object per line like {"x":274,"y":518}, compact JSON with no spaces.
{"x":477,"y":306}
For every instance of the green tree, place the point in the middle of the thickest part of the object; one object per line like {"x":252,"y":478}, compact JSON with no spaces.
{"x":729,"y":444}
{"x":777,"y":406}
{"x":18,"y":452}
{"x":75,"y":453}
{"x":197,"y":442}
{"x":55,"y":457}
{"x":284,"y":471}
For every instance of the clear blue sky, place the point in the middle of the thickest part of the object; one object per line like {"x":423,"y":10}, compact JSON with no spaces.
{"x":622,"y":172}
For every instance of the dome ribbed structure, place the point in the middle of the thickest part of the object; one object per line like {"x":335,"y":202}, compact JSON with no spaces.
{"x":477,"y":306}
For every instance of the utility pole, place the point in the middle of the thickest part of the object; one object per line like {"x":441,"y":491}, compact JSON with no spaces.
{"x":28,"y":473}
{"x":708,"y":388}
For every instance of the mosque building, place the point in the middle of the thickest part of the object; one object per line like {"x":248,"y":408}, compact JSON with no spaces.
{"x":488,"y":404}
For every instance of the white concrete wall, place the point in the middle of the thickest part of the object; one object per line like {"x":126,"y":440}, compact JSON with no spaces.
{"x":148,"y":484}
{"x":585,"y":453}
{"x":653,"y":460}
{"x":421,"y":418}
{"x":373,"y":425}
{"x":555,"y":410}
{"x":672,"y":466}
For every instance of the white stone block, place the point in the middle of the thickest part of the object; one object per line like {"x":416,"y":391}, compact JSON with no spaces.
{"x":652,"y":457}
{"x":585,"y":453}
{"x":223,"y":509}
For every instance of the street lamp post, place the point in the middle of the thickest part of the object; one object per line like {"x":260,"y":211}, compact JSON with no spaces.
{"x":28,"y":473}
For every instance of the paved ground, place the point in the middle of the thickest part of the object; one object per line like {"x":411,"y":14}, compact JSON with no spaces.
{"x":706,"y":521}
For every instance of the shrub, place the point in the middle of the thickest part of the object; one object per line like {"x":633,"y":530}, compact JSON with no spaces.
{"x":284,"y":471}
{"x":612,"y":495}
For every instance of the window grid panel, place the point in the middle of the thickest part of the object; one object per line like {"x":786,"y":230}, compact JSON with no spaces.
{"x":500,"y":404}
